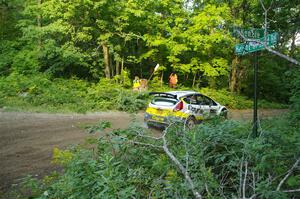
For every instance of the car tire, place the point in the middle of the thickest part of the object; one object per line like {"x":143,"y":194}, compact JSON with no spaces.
{"x":190,"y":122}
{"x":224,"y":113}
{"x":148,"y":126}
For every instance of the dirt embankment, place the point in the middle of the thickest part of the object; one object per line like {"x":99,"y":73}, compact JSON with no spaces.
{"x":27,"y":139}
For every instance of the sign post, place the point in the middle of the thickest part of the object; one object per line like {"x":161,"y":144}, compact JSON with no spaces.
{"x":254,"y":130}
{"x":253,"y":46}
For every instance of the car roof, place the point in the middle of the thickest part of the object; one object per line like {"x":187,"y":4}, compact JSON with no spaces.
{"x":182,"y":93}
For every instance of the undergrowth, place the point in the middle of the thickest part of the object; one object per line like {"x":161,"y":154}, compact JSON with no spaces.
{"x":40,"y":93}
{"x":221,"y":157}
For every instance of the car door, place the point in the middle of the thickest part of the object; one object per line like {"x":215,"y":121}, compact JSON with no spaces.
{"x":204,"y":105}
{"x":213,"y":107}
{"x":193,"y":105}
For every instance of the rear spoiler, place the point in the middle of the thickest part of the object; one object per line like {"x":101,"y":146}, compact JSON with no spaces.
{"x":162,"y":94}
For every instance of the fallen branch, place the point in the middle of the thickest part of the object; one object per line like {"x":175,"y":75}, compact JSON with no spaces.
{"x":179,"y":165}
{"x":241,"y":178}
{"x":182,"y":169}
{"x":291,"y":191}
{"x":245,"y":179}
{"x":288,"y":174}
{"x":146,"y":144}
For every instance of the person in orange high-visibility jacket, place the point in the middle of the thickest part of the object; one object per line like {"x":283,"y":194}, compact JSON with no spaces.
{"x":173,"y":80}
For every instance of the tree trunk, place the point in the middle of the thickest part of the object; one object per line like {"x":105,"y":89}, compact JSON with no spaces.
{"x":212,"y":82}
{"x":233,"y":75}
{"x":122,"y":68}
{"x":111,"y":64}
{"x":161,"y":78}
{"x":186,"y":77}
{"x":39,"y":23}
{"x":106,"y":60}
{"x":117,"y":68}
{"x":194,"y":80}
{"x":240,"y":76}
{"x":199,"y":84}
{"x":293,"y":46}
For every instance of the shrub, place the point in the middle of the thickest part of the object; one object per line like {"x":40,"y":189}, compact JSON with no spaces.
{"x":295,"y":99}
{"x":131,"y":102}
{"x":221,"y":158}
{"x":41,"y":93}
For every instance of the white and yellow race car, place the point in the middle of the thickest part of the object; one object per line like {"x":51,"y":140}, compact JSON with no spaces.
{"x":188,"y":106}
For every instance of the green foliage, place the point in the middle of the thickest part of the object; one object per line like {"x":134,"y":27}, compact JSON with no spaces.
{"x":41,"y":93}
{"x":67,"y":39}
{"x":100,"y":127}
{"x":237,"y":101}
{"x":295,"y":107}
{"x":131,"y":102}
{"x":123,"y":79}
{"x":59,"y":95}
{"x":273,"y":73}
{"x":7,"y":56}
{"x":228,"y":99}
{"x":216,"y":154}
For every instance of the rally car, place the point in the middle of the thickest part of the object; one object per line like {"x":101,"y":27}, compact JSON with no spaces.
{"x":188,"y":106}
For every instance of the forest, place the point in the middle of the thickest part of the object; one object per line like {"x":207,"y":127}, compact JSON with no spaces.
{"x":55,"y":52}
{"x":82,"y":56}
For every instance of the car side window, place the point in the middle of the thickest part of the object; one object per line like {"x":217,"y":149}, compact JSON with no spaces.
{"x":187,"y":100}
{"x":191,"y":99}
{"x":213,"y":103}
{"x":208,"y":101}
{"x":201,"y":100}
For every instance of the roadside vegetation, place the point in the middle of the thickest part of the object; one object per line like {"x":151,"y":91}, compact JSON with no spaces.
{"x":40,"y":93}
{"x":81,"y":56}
{"x":221,"y":158}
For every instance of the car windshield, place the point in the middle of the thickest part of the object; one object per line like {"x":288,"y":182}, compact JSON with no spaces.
{"x":164,"y":101}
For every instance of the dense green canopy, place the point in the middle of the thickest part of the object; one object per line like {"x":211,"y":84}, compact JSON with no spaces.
{"x":92,"y":39}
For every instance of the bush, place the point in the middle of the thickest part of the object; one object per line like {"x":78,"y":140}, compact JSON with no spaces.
{"x":295,"y":99}
{"x":131,"y":102}
{"x":41,"y":93}
{"x":220,"y":156}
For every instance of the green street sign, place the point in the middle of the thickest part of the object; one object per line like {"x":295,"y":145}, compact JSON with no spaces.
{"x":252,"y":46}
{"x":251,"y":33}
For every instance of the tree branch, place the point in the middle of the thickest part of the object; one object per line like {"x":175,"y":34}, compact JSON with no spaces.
{"x":146,"y":144}
{"x":179,"y":165}
{"x":291,"y":191}
{"x":253,"y":182}
{"x":288,"y":174}
{"x":241,"y":178}
{"x":294,"y":61}
{"x":182,"y":169}
{"x":245,"y":179}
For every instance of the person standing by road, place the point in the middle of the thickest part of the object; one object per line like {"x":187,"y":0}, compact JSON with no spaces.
{"x":173,"y":80}
{"x":136,"y":84}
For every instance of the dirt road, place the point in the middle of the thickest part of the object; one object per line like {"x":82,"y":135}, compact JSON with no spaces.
{"x":27,"y":139}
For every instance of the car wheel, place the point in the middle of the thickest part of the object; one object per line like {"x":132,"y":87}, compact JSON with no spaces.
{"x":148,"y":126}
{"x":190,"y":122}
{"x":224,"y":113}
